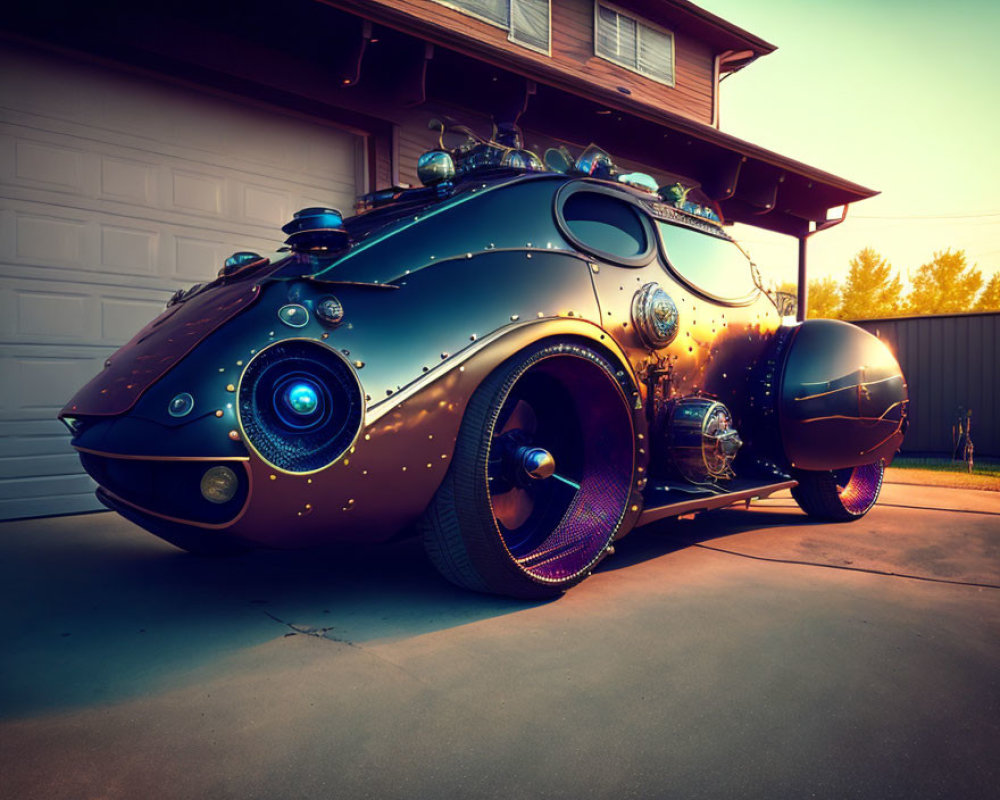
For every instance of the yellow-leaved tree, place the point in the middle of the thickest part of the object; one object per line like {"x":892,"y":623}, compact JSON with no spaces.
{"x":944,"y":285}
{"x":871,"y":289}
{"x":824,"y":297}
{"x":989,"y":298}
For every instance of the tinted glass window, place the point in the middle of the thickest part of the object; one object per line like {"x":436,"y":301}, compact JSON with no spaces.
{"x":716,"y":266}
{"x":605,"y":224}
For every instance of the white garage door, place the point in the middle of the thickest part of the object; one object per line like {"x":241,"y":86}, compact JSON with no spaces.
{"x":115,"y":190}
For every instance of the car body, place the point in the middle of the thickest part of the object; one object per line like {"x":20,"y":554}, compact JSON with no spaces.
{"x":524,"y":364}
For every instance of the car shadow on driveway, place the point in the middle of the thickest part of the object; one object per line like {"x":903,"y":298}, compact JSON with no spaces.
{"x":669,"y":535}
{"x":96,"y":610}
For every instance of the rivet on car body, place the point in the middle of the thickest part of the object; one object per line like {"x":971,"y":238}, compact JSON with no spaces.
{"x":330,"y":310}
{"x":181,"y":405}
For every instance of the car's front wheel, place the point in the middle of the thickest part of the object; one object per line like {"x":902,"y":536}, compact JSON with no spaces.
{"x":540,"y":479}
{"x":839,"y":495}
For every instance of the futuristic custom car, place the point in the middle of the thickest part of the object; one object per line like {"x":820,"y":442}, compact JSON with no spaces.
{"x":522,"y":360}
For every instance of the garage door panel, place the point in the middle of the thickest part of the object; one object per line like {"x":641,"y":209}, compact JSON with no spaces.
{"x":116,"y":190}
{"x":115,"y":250}
{"x":54,"y":239}
{"x":41,"y":487}
{"x":44,"y":437}
{"x":197,"y":193}
{"x":52,"y":504}
{"x":49,"y":166}
{"x":128,"y":180}
{"x":267,"y":205}
{"x":125,"y":180}
{"x":302,"y":154}
{"x":24,"y":467}
{"x":121,"y":318}
{"x":70,"y":313}
{"x":41,"y":385}
{"x":129,"y":250}
{"x":235,"y":205}
{"x":53,"y":316}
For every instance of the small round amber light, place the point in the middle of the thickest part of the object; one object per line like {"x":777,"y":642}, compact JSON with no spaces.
{"x":218,"y":484}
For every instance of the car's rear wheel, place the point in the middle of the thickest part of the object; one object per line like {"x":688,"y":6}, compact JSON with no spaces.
{"x":839,"y":495}
{"x":540,"y":479}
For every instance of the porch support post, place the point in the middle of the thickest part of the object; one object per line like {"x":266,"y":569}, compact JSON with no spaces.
{"x":803,"y":285}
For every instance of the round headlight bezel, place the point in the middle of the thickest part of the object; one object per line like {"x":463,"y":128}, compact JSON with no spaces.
{"x":285,"y":440}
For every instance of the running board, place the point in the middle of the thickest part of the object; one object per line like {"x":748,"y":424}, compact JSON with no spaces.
{"x":706,"y":502}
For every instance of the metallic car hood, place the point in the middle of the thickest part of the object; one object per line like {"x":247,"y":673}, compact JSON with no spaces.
{"x":157,"y":348}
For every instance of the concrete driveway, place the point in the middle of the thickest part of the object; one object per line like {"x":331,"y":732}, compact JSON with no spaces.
{"x":742,"y":654}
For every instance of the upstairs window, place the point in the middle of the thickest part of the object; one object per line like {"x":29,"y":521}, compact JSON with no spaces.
{"x":527,"y":22}
{"x":634,"y":44}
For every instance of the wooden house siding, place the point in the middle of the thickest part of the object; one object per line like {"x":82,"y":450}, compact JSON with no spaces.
{"x":572,"y":45}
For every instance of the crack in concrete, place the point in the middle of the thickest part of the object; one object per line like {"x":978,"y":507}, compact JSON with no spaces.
{"x":304,"y":630}
{"x":848,"y":569}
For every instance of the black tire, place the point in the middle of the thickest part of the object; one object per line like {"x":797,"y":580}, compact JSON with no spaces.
{"x":491,"y":526}
{"x":840,"y":495}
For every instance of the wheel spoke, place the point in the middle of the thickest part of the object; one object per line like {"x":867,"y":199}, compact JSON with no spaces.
{"x":521,"y":418}
{"x":513,"y":507}
{"x":567,"y":481}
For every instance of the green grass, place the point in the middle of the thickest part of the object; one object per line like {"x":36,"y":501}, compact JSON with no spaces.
{"x":944,"y":472}
{"x":990,"y":467}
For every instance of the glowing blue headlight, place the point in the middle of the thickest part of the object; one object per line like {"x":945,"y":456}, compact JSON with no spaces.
{"x":300,"y":402}
{"x":302,"y":398}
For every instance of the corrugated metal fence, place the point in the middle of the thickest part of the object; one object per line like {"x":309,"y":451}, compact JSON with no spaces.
{"x":950,"y":364}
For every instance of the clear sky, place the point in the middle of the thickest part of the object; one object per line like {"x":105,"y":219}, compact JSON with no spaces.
{"x":902,"y":97}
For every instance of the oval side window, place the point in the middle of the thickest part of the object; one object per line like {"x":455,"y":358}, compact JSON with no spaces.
{"x":607,"y":226}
